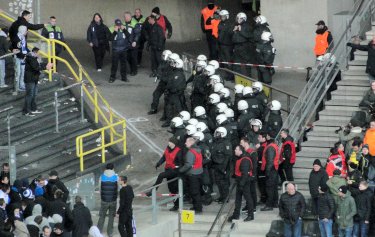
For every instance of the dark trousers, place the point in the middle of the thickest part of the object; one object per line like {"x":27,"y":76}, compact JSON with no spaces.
{"x":241,"y":55}
{"x":119,"y":57}
{"x":264,"y":75}
{"x":125,"y":225}
{"x":141,"y":46}
{"x":173,"y":106}
{"x":155,"y":59}
{"x":245,"y":192}
{"x":212,"y":46}
{"x":222,"y":182}
{"x":272,"y":181}
{"x":158,"y":92}
{"x":31,"y":92}
{"x":195,"y":191}
{"x":253,"y":191}
{"x":99,"y":53}
{"x":132,"y":59}
{"x":168,"y":174}
{"x":105,"y":207}
{"x":226,"y":55}
{"x":286,"y":172}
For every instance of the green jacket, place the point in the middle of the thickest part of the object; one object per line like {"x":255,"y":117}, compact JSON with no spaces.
{"x":345,"y":210}
{"x":334,"y":184}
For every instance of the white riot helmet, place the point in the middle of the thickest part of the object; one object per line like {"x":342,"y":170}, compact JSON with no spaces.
{"x":247,"y":90}
{"x":225,"y":93}
{"x":257,"y":86}
{"x":266,"y":36}
{"x":201,"y":127}
{"x":229,"y":113}
{"x":209,"y":70}
{"x":202,"y":57}
{"x":214,"y":63}
{"x":177,"y":122}
{"x":199,"y":111}
{"x":241,"y":17}
{"x":221,"y":118}
{"x":221,"y":107}
{"x":200,"y":65}
{"x":275,"y":105}
{"x":193,"y":121}
{"x":179,"y":63}
{"x":217,"y":87}
{"x":220,"y":132}
{"x":242,"y":105}
{"x":260,"y":20}
{"x":214,"y":98}
{"x":224,"y":14}
{"x":165,"y":55}
{"x":256,"y":122}
{"x":184,"y":115}
{"x":190,"y":130}
{"x":173,"y":58}
{"x":214,"y":79}
{"x":199,"y":136}
{"x":238,"y":88}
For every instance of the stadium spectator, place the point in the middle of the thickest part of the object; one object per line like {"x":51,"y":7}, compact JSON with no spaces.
{"x":4,"y":48}
{"x":364,"y":207}
{"x":370,"y":67}
{"x":5,"y":171}
{"x":23,"y":20}
{"x":345,"y":211}
{"x":54,"y":183}
{"x":334,"y":183}
{"x":81,"y":219}
{"x":370,"y":138}
{"x":326,"y":210}
{"x":347,"y":139}
{"x":318,"y":178}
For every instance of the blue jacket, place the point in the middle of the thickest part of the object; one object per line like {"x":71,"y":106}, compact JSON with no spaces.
{"x":108,"y":186}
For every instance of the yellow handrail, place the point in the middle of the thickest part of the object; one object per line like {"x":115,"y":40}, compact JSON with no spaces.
{"x":107,"y":116}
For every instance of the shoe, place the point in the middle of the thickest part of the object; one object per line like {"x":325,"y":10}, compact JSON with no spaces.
{"x":37,"y":112}
{"x":162,"y":119}
{"x":174,"y":208}
{"x":4,"y":86}
{"x":231,"y":218}
{"x":244,"y":209}
{"x":99,"y":70}
{"x":166,"y":124}
{"x":267,"y":208}
{"x":133,"y":74}
{"x":254,"y":210}
{"x":111,"y":80}
{"x":248,"y":218}
{"x":29,"y":115}
{"x":125,"y":80}
{"x":152,"y":111}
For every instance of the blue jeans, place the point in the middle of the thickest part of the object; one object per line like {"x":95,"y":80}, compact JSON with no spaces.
{"x":31,"y":92}
{"x":345,"y":232}
{"x":2,"y":72}
{"x":360,"y":229}
{"x":20,"y":73}
{"x":325,"y":228}
{"x":293,"y":230}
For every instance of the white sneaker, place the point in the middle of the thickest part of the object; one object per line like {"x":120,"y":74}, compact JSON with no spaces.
{"x":99,"y":70}
{"x":4,"y":86}
{"x":30,"y":115}
{"x":36,"y":112}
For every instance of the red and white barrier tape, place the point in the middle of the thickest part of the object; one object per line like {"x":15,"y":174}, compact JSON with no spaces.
{"x":262,"y":65}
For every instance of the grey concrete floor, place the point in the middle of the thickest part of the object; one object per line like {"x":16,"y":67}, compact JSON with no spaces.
{"x":146,"y":138}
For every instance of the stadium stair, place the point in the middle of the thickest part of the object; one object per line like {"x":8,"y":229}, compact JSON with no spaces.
{"x":337,"y":112}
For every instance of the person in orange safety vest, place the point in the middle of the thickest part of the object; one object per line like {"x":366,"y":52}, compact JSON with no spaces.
{"x":209,"y":26}
{"x":323,"y":39}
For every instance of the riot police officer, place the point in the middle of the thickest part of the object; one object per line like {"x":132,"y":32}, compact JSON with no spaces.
{"x":255,"y":128}
{"x":178,"y":131}
{"x":225,"y":39}
{"x":252,"y":101}
{"x":162,"y":74}
{"x":225,"y":97}
{"x":261,"y":26}
{"x":261,"y":97}
{"x":238,"y":89}
{"x":265,"y":55}
{"x":221,"y":155}
{"x":222,"y":121}
{"x":244,"y":118}
{"x":213,"y":100}
{"x":229,"y":113}
{"x":199,"y":91}
{"x":273,"y":120}
{"x":200,"y":115}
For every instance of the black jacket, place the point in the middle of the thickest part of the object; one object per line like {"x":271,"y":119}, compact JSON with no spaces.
{"x":326,"y":206}
{"x":4,"y":44}
{"x":98,"y":35}
{"x":221,"y":154}
{"x":32,"y":69}
{"x":225,"y":30}
{"x":13,"y":30}
{"x":58,"y":206}
{"x":126,"y":200}
{"x":270,"y":155}
{"x":176,"y":82}
{"x":363,"y":202}
{"x":156,"y":37}
{"x":287,"y":153}
{"x":370,"y":67}
{"x":81,"y":220}
{"x":258,"y":31}
{"x":178,"y":161}
{"x":245,"y":168}
{"x":316,"y":180}
{"x":292,"y":207}
{"x":52,"y":186}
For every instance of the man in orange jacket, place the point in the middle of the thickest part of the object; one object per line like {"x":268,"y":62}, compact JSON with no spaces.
{"x":209,"y":29}
{"x":323,"y":39}
{"x":370,"y":138}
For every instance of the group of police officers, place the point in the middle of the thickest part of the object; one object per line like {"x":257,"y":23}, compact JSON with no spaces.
{"x":220,"y":138}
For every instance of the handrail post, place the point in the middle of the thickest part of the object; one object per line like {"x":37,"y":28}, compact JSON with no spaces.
{"x":56,"y":112}
{"x":81,"y":154}
{"x":49,"y":59}
{"x":124,"y":136}
{"x":103,"y":146}
{"x":54,"y":56}
{"x":82,"y":105}
{"x":80,"y":73}
{"x":154,"y":207}
{"x":111,"y":130}
{"x":8,"y":125}
{"x":180,"y":194}
{"x":288,"y":104}
{"x":96,"y":105}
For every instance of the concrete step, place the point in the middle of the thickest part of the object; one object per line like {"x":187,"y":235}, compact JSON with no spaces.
{"x":334,"y":122}
{"x":360,"y":53}
{"x":341,"y":108}
{"x":314,"y":151}
{"x":302,"y":174}
{"x":336,"y":113}
{"x":333,"y":117}
{"x":347,"y":92}
{"x":324,"y":129}
{"x":344,"y":103}
{"x":356,"y":77}
{"x":360,"y":57}
{"x":357,"y":67}
{"x":307,"y":162}
{"x":357,"y":63}
{"x":323,"y":134}
{"x":311,"y":137}
{"x":354,"y":82}
{"x":357,"y":98}
{"x":354,"y":72}
{"x":319,"y":144}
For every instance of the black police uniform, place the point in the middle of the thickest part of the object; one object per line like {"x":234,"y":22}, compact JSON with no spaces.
{"x":175,"y":89}
{"x":199,"y":92}
{"x":234,"y":137}
{"x":133,"y":51}
{"x":258,"y":31}
{"x":156,"y":44}
{"x":120,"y":45}
{"x":225,"y":43}
{"x":237,"y":97}
{"x":263,"y":101}
{"x":163,"y":70}
{"x":274,"y":122}
{"x":243,"y":122}
{"x":265,"y":55}
{"x":221,"y":155}
{"x":243,"y":49}
{"x":254,"y":105}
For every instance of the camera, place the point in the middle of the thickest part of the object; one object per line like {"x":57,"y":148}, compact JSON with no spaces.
{"x":346,"y":128}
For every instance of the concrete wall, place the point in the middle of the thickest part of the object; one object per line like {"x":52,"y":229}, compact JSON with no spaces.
{"x":293,"y":22}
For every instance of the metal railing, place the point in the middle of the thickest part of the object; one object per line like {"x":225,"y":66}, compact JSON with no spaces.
{"x":57,"y":104}
{"x":101,"y":108}
{"x":271,"y":89}
{"x":11,"y":149}
{"x":156,"y":204}
{"x":7,"y":110}
{"x":323,"y":76}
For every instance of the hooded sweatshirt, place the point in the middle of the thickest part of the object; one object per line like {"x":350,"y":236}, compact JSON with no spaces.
{"x":37,"y":211}
{"x":334,"y":183}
